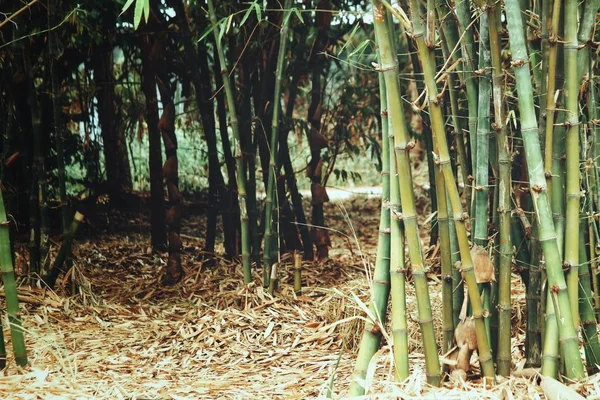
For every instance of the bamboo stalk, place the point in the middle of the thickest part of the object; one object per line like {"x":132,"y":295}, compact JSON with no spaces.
{"x":10,"y":290}
{"x":240,"y":169}
{"x":397,"y":269}
{"x":556,"y":282}
{"x":571,"y":92}
{"x":586,"y":310}
{"x":64,"y":252}
{"x":458,"y":290}
{"x":553,"y":23}
{"x":550,"y":346}
{"x":450,"y":38}
{"x":270,"y":247}
{"x":380,"y":290}
{"x":402,"y":147}
{"x":446,"y":261}
{"x":298,"y":273}
{"x":503,"y":358}
{"x":425,"y":53}
{"x":480,"y":216}
{"x":595,"y":193}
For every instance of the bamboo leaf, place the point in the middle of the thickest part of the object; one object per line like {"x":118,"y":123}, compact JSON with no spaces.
{"x":349,"y":39}
{"x":137,"y":15}
{"x":126,"y":6}
{"x":206,"y":33}
{"x":229,"y":21}
{"x":221,"y":31}
{"x":258,"y":12}
{"x":247,"y":14}
{"x":146,"y":9}
{"x":360,"y":48}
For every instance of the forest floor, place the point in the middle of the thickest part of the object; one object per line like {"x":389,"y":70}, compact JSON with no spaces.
{"x":123,"y":335}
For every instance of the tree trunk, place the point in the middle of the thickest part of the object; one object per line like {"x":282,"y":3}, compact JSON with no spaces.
{"x":116,"y":158}
{"x":153,"y":47}
{"x":200,"y":74}
{"x":174,"y":272}
{"x":316,"y":140}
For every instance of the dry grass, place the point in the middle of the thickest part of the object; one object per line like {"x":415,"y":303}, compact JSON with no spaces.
{"x":124,"y":336}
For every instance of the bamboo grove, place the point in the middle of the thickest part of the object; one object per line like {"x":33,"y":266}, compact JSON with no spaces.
{"x":503,"y":93}
{"x":509,"y":92}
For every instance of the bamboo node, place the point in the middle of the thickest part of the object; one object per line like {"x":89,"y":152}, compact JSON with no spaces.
{"x":555,"y":289}
{"x":537,"y":188}
{"x":410,"y":145}
{"x":463,"y":217}
{"x":384,"y":113}
{"x":424,"y":321}
{"x":517,"y":63}
{"x":547,"y":174}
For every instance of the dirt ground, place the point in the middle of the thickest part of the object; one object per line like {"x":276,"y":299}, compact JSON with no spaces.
{"x":123,"y":336}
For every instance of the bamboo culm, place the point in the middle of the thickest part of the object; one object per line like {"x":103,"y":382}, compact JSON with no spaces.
{"x":240,"y":169}
{"x":380,"y":289}
{"x":271,"y":234}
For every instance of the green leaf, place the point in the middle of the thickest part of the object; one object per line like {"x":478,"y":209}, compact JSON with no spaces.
{"x":349,"y":39}
{"x":247,"y":14}
{"x":221,"y":30}
{"x":146,"y":9}
{"x":258,"y":12}
{"x":360,"y":48}
{"x":126,"y":6}
{"x":137,"y":15}
{"x":206,"y":32}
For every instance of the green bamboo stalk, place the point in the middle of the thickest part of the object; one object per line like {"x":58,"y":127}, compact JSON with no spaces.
{"x":594,"y":127}
{"x":239,"y":163}
{"x":64,"y":253}
{"x":546,"y":22}
{"x":397,"y":262}
{"x":10,"y":290}
{"x":450,"y":38}
{"x":426,"y":56}
{"x":585,"y":36}
{"x":550,"y":350}
{"x":480,"y":216}
{"x":503,"y":358}
{"x":380,"y":290}
{"x":556,"y":282}
{"x":571,"y":92}
{"x":402,"y":145}
{"x":397,"y":267}
{"x":463,"y":13}
{"x":427,"y":139}
{"x":458,"y":290}
{"x":550,"y":89}
{"x":586,"y":309}
{"x":270,"y":247}
{"x":446,"y":261}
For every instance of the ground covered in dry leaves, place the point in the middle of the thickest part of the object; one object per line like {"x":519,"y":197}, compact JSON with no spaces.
{"x":121,"y":335}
